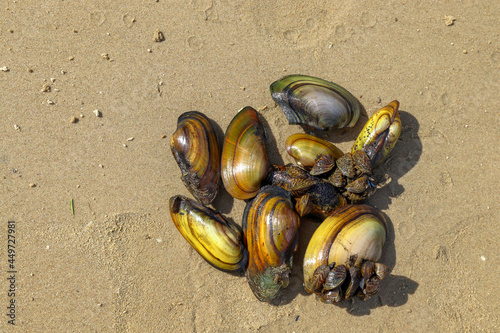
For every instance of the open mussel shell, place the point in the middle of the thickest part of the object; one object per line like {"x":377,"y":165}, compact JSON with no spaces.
{"x":380,"y":133}
{"x":196,"y":151}
{"x":217,"y":240}
{"x":352,"y":235}
{"x":270,"y":225}
{"x":244,"y":161}
{"x":314,"y":102}
{"x":312,"y":153}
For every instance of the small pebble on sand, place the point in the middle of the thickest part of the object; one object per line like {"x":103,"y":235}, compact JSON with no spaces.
{"x":158,"y":37}
{"x":449,"y":20}
{"x":46,"y":88}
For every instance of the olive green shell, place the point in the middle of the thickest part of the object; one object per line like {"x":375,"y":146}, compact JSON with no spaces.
{"x":314,"y":102}
{"x":218,"y":241}
{"x":196,"y":151}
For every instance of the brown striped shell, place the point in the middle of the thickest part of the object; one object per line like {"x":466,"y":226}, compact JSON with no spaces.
{"x":270,"y":224}
{"x":196,"y":151}
{"x":244,"y":158}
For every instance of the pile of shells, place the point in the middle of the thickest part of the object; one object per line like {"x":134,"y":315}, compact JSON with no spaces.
{"x":341,"y":259}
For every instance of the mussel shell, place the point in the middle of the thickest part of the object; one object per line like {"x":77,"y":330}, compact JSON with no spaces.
{"x":314,"y":102}
{"x":367,"y":269}
{"x":380,"y":133}
{"x":217,"y":240}
{"x":332,"y":296}
{"x":381,"y":270}
{"x":244,"y":158}
{"x":308,"y":149}
{"x":196,"y":151}
{"x":270,"y":224}
{"x":352,"y":231}
{"x":354,"y":282}
{"x":335,"y":277}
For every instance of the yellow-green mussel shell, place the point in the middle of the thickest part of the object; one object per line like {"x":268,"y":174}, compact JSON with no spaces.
{"x":357,"y":231}
{"x":217,"y":240}
{"x":380,"y":133}
{"x":270,"y":225}
{"x":308,"y":150}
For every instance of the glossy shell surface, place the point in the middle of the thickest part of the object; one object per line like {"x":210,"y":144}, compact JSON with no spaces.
{"x":270,"y":225}
{"x":218,"y":241}
{"x":380,"y":133}
{"x":352,"y":230}
{"x":244,"y":161}
{"x":308,"y":149}
{"x":315,"y":102}
{"x":196,"y":151}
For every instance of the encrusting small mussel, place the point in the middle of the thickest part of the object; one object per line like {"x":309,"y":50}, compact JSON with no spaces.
{"x":314,"y":102}
{"x":196,"y":151}
{"x":353,"y":176}
{"x":270,"y":224}
{"x":244,"y":157}
{"x":313,"y":195}
{"x":217,"y":240}
{"x":351,"y":173}
{"x":353,"y":237}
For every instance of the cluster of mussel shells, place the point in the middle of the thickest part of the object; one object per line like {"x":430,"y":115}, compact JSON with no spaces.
{"x":341,"y":260}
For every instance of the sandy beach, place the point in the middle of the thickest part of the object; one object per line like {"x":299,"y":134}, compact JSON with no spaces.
{"x":91,"y":93}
